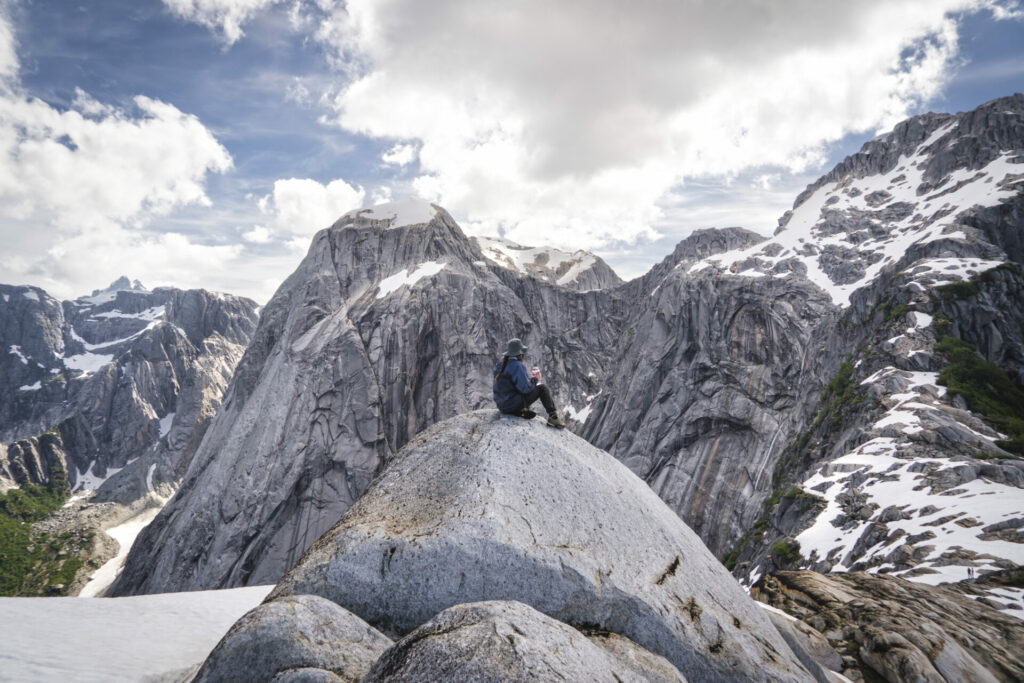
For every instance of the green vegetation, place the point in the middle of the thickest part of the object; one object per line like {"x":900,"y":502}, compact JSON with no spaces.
{"x":841,"y":394}
{"x":986,"y":389}
{"x":965,"y":289}
{"x":787,"y":551}
{"x":32,"y":563}
{"x":794,"y":493}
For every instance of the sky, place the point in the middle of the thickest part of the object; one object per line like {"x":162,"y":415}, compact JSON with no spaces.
{"x":202,"y":143}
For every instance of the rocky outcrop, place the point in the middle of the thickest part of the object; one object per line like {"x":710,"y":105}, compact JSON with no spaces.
{"x":893,"y":629}
{"x":509,"y":641}
{"x":300,"y":638}
{"x":485,"y":507}
{"x":110,"y":378}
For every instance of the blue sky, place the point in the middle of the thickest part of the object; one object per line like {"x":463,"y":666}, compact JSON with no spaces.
{"x":580,"y":125}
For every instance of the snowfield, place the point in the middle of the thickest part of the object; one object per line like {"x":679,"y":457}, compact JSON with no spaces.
{"x":148,"y":637}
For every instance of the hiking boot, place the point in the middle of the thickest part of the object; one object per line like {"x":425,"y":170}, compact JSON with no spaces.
{"x":553,"y":421}
{"x":528,"y":414}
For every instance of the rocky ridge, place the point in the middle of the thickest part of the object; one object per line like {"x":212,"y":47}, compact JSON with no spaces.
{"x":909,"y":465}
{"x":112,"y":375}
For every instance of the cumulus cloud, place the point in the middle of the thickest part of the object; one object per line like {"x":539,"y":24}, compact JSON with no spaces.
{"x":77,"y":184}
{"x":573,"y":120}
{"x":298,"y":207}
{"x":224,"y":16}
{"x":91,"y":164}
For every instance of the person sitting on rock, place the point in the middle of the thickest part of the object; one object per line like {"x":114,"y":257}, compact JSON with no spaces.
{"x":514,"y":390}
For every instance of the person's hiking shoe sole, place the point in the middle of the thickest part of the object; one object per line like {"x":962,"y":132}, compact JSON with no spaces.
{"x":556,"y":423}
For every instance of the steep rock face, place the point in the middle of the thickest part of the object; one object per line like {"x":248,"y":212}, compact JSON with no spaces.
{"x":509,"y":641}
{"x":897,"y":630}
{"x":115,"y":375}
{"x":386,"y":328}
{"x":914,"y":239}
{"x":488,"y":507}
{"x":708,"y":389}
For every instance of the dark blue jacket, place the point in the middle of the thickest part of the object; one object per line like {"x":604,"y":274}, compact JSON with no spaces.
{"x":511,"y":385}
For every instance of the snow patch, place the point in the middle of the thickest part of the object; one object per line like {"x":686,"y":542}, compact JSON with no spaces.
{"x":125,"y":535}
{"x":150,"y":314}
{"x":403,"y":277}
{"x":16,"y":350}
{"x":88,"y":363}
{"x":35,"y":386}
{"x":149,"y":478}
{"x":29,"y":294}
{"x":146,"y":637}
{"x":165,"y":424}
{"x":87,"y":481}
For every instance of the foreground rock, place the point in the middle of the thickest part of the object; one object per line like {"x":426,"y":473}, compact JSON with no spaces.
{"x":509,"y":641}
{"x":302,"y":638}
{"x":898,"y":630}
{"x":483,"y":507}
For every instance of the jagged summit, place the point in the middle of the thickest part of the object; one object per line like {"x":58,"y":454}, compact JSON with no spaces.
{"x":121,"y":284}
{"x":578,"y":269}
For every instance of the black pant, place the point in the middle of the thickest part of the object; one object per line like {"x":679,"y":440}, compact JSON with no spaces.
{"x":540,"y":391}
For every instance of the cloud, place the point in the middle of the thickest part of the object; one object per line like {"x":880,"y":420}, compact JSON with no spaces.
{"x":299,"y":207}
{"x":78,"y":186}
{"x":569,"y":122}
{"x":90,"y":165}
{"x":225,"y":16}
{"x":400,"y":155}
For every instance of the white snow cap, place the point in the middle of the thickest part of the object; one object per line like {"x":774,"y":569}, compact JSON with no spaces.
{"x":409,"y":211}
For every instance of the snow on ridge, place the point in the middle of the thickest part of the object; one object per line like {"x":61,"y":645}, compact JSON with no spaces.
{"x":514,"y":256}
{"x":156,"y":320}
{"x":150,"y":314}
{"x":930,"y":217}
{"x":405,"y":212}
{"x":404,"y":277}
{"x":35,"y":386}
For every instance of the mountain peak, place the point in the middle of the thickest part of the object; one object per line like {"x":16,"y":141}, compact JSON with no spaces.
{"x":401,"y":213}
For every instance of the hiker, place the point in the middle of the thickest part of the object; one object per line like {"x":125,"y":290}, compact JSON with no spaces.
{"x":514,"y":390}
